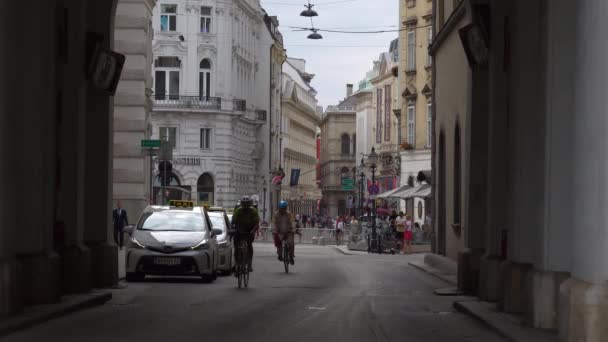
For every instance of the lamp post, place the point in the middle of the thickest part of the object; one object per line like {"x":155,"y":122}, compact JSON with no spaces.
{"x":373,"y":160}
{"x":372,"y":163}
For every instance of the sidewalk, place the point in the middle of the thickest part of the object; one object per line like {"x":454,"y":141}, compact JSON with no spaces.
{"x":42,"y":313}
{"x":509,"y":326}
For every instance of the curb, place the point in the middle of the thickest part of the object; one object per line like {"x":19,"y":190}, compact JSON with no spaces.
{"x":503,"y":326}
{"x":45,"y":313}
{"x":432,"y":272}
{"x":341,"y":251}
{"x":463,"y":309}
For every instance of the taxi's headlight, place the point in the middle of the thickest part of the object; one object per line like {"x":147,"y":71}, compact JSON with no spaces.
{"x":201,"y":245}
{"x":133,"y":243}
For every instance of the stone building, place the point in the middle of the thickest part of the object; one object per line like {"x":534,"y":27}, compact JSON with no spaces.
{"x":212,"y":85}
{"x":385,"y":126}
{"x":520,"y":156}
{"x":338,"y":160}
{"x":299,"y":123}
{"x":415,"y":100}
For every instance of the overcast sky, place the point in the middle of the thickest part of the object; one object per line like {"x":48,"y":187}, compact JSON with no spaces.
{"x":338,"y":58}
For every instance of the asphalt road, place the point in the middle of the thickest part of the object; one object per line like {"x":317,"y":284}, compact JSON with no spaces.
{"x":329,"y":296}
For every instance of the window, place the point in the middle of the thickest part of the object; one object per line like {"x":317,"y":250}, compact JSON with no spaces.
{"x":387,"y":112}
{"x":204,"y":80}
{"x":429,"y":124}
{"x":166,"y":78}
{"x":205,"y":138}
{"x":379,"y":116}
{"x":411,"y":123}
{"x":429,"y":60}
{"x":169,"y":134}
{"x":205,"y":19}
{"x":410,"y":3}
{"x":411,"y":50}
{"x":168,"y":18}
{"x":345,"y":144}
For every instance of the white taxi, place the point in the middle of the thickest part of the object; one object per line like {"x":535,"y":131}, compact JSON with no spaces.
{"x":219,"y":220}
{"x":174,"y":240}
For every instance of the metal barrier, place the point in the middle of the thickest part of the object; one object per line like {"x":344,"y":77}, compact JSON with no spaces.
{"x":317,"y":236}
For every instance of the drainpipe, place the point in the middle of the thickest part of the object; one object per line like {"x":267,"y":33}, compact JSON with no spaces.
{"x":270,"y":139}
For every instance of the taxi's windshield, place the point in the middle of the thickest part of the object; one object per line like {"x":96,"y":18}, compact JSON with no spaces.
{"x":172,"y":221}
{"x":217,"y":221}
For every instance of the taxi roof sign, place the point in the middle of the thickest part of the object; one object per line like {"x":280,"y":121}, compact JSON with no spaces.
{"x":181,"y":204}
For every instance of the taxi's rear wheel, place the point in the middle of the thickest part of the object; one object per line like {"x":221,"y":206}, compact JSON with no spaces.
{"x":135,"y":277}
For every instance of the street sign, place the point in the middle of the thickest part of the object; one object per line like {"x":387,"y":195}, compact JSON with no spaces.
{"x":348,"y":181}
{"x":150,"y":144}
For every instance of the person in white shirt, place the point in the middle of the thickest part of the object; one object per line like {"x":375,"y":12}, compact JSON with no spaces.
{"x":339,"y":229}
{"x":408,"y":235}
{"x":399,"y":229}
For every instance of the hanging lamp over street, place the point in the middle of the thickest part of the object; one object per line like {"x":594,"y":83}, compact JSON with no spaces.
{"x":314,"y":35}
{"x":309,"y":12}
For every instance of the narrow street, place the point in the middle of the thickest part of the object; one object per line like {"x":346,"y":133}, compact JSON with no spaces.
{"x":329,"y":296}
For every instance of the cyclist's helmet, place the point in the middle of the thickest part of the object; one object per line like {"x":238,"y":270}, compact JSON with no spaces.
{"x":283,"y":205}
{"x":246,"y":201}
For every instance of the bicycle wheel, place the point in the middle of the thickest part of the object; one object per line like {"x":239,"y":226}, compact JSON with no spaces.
{"x":286,"y":257}
{"x":246,"y":276}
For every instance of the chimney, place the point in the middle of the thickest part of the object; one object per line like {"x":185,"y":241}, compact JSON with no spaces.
{"x":349,"y":90}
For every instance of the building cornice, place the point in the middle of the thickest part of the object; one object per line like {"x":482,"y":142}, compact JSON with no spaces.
{"x":457,"y":15}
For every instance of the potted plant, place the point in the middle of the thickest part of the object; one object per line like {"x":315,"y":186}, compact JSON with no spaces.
{"x":406,"y":146}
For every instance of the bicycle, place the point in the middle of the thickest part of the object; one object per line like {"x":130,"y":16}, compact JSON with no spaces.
{"x":242,"y":264}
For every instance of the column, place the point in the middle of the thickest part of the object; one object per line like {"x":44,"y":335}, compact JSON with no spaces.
{"x":97,"y":175}
{"x":132,"y":105}
{"x":583,"y":306}
{"x":33,"y":104}
{"x":10,"y":298}
{"x":497,"y":164}
{"x":75,"y":256}
{"x":552,"y":260}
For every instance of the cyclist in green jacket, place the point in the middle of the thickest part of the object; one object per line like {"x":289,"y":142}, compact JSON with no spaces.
{"x":245,"y":222}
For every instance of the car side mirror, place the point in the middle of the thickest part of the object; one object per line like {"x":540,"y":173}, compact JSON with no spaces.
{"x":129,"y":229}
{"x":216,"y":232}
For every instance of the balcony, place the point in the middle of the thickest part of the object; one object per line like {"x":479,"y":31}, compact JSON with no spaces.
{"x":187,"y":101}
{"x":239,"y":105}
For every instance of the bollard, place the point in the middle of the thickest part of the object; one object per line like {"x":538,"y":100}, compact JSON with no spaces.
{"x":321,"y":241}
{"x":315,"y":240}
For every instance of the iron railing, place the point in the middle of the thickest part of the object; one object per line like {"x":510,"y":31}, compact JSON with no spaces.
{"x":239,"y":105}
{"x":187,"y":101}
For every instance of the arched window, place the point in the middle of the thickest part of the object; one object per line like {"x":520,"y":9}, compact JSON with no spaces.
{"x":345,"y":144}
{"x":173,"y":180}
{"x":204,"y":80}
{"x":205,"y":188}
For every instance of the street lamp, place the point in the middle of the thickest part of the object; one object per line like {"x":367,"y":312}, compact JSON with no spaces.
{"x":372,"y":163}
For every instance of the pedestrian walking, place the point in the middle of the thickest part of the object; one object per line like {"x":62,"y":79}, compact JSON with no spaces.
{"x":120,"y":221}
{"x":408,"y":235}
{"x":399,"y":231}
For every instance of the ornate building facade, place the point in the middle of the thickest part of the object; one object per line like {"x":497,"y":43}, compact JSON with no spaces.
{"x":212,"y":84}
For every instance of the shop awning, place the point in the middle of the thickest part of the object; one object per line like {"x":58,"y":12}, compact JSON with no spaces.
{"x":421,"y":190}
{"x":390,"y":193}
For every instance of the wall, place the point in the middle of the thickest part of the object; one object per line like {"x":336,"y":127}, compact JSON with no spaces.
{"x":452,"y":94}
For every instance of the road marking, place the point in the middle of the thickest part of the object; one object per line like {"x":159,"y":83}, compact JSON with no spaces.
{"x":315,"y":308}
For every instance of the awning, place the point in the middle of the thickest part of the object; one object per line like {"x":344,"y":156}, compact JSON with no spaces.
{"x":417,"y":191}
{"x":390,"y":193}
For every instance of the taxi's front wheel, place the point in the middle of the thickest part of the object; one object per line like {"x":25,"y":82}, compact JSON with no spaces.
{"x":208,"y":278}
{"x":135,"y":277}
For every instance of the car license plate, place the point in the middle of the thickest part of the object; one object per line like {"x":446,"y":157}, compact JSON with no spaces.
{"x":167,"y":261}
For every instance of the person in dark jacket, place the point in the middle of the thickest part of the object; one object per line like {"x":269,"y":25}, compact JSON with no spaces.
{"x":120,"y":221}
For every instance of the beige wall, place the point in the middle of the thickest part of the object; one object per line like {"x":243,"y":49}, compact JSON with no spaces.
{"x":419,"y":18}
{"x":452,"y":94}
{"x":381,"y":82}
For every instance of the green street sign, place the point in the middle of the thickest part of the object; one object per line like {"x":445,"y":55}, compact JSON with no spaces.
{"x":348,"y":188}
{"x":348,"y":181}
{"x":150,"y":143}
